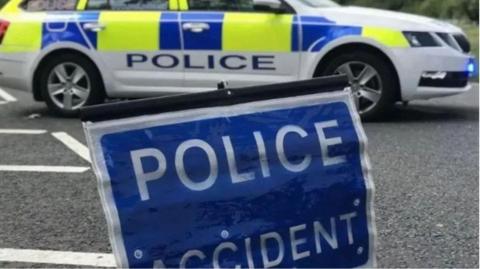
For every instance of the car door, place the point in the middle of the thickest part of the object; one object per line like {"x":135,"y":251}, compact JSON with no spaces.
{"x":139,"y":43}
{"x":230,"y":40}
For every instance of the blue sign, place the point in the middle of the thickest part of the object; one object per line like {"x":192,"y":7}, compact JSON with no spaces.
{"x":276,"y":183}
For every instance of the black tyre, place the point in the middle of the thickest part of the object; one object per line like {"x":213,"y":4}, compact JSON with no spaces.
{"x":69,"y":82}
{"x":372,"y":80}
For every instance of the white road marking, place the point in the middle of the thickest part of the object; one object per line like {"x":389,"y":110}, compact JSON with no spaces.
{"x":43,"y":168}
{"x":22,"y":131}
{"x":7,"y":97}
{"x":73,"y":144}
{"x":57,"y":257}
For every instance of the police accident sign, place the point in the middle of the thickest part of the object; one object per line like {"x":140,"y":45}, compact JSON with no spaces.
{"x":274,"y":183}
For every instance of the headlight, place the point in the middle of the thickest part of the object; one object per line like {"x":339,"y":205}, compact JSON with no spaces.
{"x":421,"y":39}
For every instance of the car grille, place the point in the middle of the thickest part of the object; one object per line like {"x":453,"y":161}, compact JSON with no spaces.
{"x":451,"y":80}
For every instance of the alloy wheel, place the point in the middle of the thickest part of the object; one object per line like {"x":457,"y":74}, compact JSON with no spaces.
{"x":68,"y":86}
{"x":365,"y":83}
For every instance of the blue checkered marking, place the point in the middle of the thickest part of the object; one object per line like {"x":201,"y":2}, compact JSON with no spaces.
{"x":319,"y":31}
{"x":66,"y":27}
{"x":207,"y":40}
{"x":170,"y":31}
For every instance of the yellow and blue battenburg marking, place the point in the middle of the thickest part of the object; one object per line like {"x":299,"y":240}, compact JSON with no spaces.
{"x":229,"y":32}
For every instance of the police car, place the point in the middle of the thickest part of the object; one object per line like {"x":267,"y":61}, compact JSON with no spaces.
{"x":73,"y":53}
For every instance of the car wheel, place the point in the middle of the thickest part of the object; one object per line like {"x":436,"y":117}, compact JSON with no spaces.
{"x":70,"y":82}
{"x":371,"y":80}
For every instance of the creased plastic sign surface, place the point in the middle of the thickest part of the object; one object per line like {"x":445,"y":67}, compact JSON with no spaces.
{"x":276,"y":183}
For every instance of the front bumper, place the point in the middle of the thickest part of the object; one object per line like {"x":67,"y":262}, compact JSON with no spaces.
{"x":413,"y":63}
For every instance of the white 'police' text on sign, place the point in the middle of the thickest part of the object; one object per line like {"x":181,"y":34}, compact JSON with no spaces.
{"x":277,"y":183}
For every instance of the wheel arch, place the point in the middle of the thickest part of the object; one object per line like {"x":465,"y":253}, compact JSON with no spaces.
{"x":37,"y":95}
{"x":356,"y":46}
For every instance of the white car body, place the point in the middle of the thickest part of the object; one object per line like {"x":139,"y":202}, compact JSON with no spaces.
{"x":19,"y":61}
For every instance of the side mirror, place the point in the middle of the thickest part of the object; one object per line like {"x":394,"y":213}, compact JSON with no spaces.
{"x":275,"y":5}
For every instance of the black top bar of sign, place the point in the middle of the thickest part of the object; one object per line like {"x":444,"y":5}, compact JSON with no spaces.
{"x":211,"y":98}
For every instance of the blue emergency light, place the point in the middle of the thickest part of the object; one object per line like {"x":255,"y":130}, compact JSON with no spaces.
{"x":472,"y":67}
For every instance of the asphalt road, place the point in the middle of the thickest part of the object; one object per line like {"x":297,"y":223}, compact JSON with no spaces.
{"x":425,"y":166}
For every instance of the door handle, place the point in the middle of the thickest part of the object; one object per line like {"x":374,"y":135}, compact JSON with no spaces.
{"x":196,"y":27}
{"x":93,"y":27}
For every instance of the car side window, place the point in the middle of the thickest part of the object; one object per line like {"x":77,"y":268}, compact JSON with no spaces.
{"x":127,"y":5}
{"x":221,"y":5}
{"x":48,"y":5}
